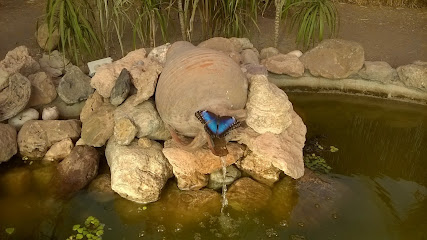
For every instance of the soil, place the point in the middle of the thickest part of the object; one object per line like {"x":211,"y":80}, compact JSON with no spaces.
{"x":395,"y":35}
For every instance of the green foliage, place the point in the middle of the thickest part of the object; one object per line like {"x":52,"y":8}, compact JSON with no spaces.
{"x":311,"y":18}
{"x":316,"y":163}
{"x":333,"y":149}
{"x":92,"y":229}
{"x":73,"y":19}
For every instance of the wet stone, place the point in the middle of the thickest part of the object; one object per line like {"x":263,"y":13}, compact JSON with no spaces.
{"x":121,"y":89}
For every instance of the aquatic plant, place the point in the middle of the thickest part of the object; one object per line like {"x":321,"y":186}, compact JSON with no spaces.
{"x":92,"y":229}
{"x":9,"y":231}
{"x":316,"y":163}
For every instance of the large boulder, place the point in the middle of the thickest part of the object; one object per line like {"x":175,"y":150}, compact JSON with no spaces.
{"x":43,"y":91}
{"x":414,"y":75}
{"x":138,"y":171}
{"x":145,"y":118}
{"x":14,"y":96}
{"x":284,"y":64}
{"x":378,"y":71}
{"x":248,"y":195}
{"x":99,"y":126}
{"x":7,"y":142}
{"x":77,"y":170}
{"x":37,"y":136}
{"x":268,"y":106}
{"x":19,"y":61}
{"x":47,"y":41}
{"x":334,"y":58}
{"x":74,"y":86}
{"x":191,"y":167}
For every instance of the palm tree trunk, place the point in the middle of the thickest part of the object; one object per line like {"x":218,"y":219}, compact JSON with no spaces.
{"x":279,"y":5}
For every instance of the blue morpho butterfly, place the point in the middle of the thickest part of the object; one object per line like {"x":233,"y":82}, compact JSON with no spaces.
{"x":217,"y":126}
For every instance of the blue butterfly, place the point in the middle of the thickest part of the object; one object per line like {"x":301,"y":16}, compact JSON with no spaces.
{"x":217,"y":126}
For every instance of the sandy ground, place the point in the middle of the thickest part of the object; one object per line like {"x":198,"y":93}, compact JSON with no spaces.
{"x":395,"y":35}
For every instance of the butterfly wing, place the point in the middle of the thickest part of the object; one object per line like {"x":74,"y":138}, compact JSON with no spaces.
{"x":225,"y":125}
{"x":210,"y":120}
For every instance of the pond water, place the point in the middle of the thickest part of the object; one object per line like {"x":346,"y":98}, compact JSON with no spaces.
{"x":377,"y":188}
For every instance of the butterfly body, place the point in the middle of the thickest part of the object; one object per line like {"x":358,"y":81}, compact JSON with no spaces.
{"x":217,"y":126}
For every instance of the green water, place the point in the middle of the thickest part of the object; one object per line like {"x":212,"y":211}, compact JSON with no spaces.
{"x":377,"y":188}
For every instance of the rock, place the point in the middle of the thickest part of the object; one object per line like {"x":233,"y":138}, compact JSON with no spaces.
{"x":37,"y":136}
{"x":284,"y":64}
{"x":45,"y":42}
{"x":145,"y":118}
{"x":107,"y":74}
{"x":54,"y":64}
{"x":50,"y":113}
{"x":241,"y":43}
{"x":268,"y":52}
{"x":16,"y":181}
{"x":42,"y":176}
{"x":259,"y":169}
{"x":249,"y":56}
{"x":42,"y":89}
{"x":19,"y":61}
{"x":283,"y":151}
{"x":93,"y":103}
{"x":100,"y":188}
{"x":296,"y":53}
{"x":145,"y":78}
{"x":248,"y":195}
{"x":284,"y":199}
{"x":124,"y":131}
{"x":4,"y":79}
{"x":223,"y":45}
{"x":65,"y":110}
{"x":267,"y":106}
{"x":24,"y":116}
{"x":14,"y":97}
{"x":74,"y":86}
{"x":378,"y":71}
{"x":99,"y":126}
{"x":254,"y":69}
{"x":121,"y":89}
{"x":216,"y":179}
{"x":190,"y":167}
{"x":137,"y":173}
{"x":59,"y":150}
{"x":159,"y":53}
{"x":7,"y":142}
{"x":77,"y":170}
{"x":334,"y":58}
{"x":80,"y":142}
{"x":414,"y":75}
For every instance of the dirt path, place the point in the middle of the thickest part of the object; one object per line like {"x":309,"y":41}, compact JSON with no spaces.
{"x":397,"y":36}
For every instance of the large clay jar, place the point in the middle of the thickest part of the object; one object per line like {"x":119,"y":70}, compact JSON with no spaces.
{"x":196,"y":78}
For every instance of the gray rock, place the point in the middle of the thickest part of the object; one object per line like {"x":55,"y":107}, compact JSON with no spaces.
{"x":8,"y":144}
{"x":268,"y":52}
{"x":43,"y":91}
{"x":414,"y":75}
{"x":145,"y":117}
{"x":99,"y":127}
{"x":334,"y":59}
{"x":249,"y":56}
{"x":378,"y":71}
{"x":121,"y":89}
{"x":124,"y":131}
{"x":15,"y":96}
{"x":19,"y":61}
{"x":28,"y":114}
{"x":284,"y":64}
{"x":54,"y":64}
{"x":45,"y":42}
{"x":77,"y":170}
{"x":37,"y":136}
{"x":137,"y":173}
{"x":216,"y":179}
{"x":74,"y":86}
{"x":50,"y":113}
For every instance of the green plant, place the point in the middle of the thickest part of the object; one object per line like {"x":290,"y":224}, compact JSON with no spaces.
{"x":151,"y":14}
{"x":92,"y":229}
{"x":311,"y":18}
{"x":316,"y":163}
{"x":234,"y":16}
{"x":73,"y":20}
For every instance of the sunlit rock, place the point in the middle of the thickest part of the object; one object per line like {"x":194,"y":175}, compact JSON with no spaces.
{"x":248,"y":195}
{"x":137,"y":173}
{"x":59,"y":150}
{"x":268,"y":106}
{"x":191,"y":167}
{"x":334,"y":58}
{"x":8,"y":144}
{"x":259,"y":168}
{"x":124,"y":131}
{"x":37,"y":136}
{"x":159,"y":53}
{"x":23,"y":117}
